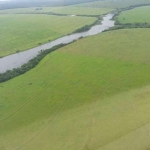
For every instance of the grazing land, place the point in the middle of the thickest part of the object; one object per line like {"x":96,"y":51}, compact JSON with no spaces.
{"x":36,"y":3}
{"x":114,"y":3}
{"x":70,"y":10}
{"x":92,"y":94}
{"x":20,"y":32}
{"x":136,"y":15}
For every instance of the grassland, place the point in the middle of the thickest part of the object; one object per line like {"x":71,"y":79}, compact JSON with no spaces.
{"x":114,"y":3}
{"x":91,"y":8}
{"x":93,"y":94}
{"x":21,"y":32}
{"x":136,"y":15}
{"x":70,"y":10}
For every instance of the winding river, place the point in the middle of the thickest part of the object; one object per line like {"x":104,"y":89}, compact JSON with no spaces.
{"x":18,"y":59}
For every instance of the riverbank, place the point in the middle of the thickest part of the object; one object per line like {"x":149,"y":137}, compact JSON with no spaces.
{"x":130,"y":25}
{"x":9,"y":74}
{"x":95,"y":85}
{"x":17,"y":60}
{"x":25,"y":31}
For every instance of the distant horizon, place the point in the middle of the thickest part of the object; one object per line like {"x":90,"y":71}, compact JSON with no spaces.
{"x":4,"y":0}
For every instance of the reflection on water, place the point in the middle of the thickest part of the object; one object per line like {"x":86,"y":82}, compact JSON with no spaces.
{"x":18,"y":59}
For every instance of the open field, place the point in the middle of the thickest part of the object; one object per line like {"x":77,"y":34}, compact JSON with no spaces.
{"x":92,"y":94}
{"x":91,"y":8}
{"x":37,"y":3}
{"x":114,"y":3}
{"x":136,"y":15}
{"x":70,"y":10}
{"x":21,"y":32}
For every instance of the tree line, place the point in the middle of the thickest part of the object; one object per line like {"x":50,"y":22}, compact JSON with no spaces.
{"x":9,"y":74}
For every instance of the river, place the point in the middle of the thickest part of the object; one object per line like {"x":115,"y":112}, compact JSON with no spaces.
{"x":18,"y":59}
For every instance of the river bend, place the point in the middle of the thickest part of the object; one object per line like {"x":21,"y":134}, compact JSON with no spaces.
{"x":18,"y":59}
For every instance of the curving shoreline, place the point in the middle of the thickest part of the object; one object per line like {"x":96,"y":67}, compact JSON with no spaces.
{"x":17,"y":60}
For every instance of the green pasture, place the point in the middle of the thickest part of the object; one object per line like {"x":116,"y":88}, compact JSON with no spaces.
{"x":70,"y":10}
{"x":90,"y":8}
{"x":114,"y":3}
{"x":21,"y":32}
{"x":90,"y":95}
{"x":136,"y":15}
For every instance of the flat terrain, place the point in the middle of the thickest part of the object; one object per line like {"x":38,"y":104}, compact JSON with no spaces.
{"x":91,"y":8}
{"x":93,"y":94}
{"x":70,"y":10}
{"x":21,"y":32}
{"x":136,"y":15}
{"x":114,"y":3}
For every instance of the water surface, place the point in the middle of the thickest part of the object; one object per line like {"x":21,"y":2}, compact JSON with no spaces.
{"x":18,"y":59}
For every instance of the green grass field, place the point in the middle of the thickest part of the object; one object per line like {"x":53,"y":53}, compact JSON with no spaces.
{"x":114,"y":3}
{"x":90,"y":95}
{"x":21,"y":32}
{"x":70,"y":10}
{"x":136,"y":15}
{"x":91,"y":8}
